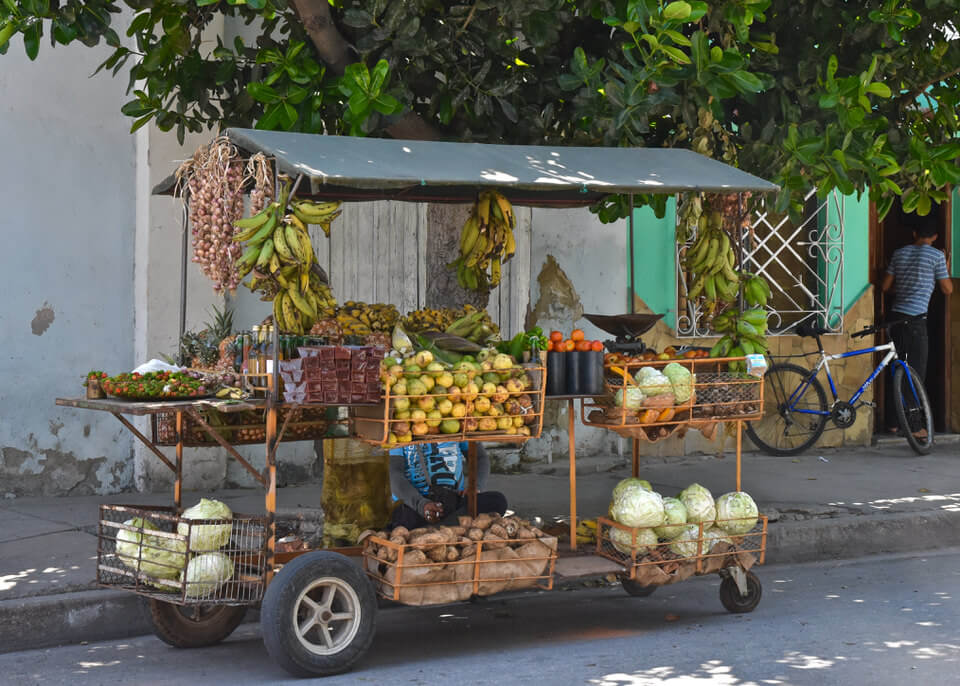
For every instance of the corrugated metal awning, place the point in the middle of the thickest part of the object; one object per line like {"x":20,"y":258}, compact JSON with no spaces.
{"x":353,"y":168}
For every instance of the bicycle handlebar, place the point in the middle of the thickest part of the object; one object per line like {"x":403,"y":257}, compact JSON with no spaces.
{"x":886,"y":326}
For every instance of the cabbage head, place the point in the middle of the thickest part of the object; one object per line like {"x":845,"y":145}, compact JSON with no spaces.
{"x":686,"y":543}
{"x":623,"y":540}
{"x":638,"y":507}
{"x":624,"y":484}
{"x":675,"y":516}
{"x":699,"y":504}
{"x":206,"y":537}
{"x":158,"y":556}
{"x":205,"y":573}
{"x":738,"y":506}
{"x":634,"y":398}
{"x":652,"y":382}
{"x":681,"y":380}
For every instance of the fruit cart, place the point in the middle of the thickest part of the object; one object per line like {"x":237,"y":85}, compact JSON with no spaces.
{"x":318,"y":606}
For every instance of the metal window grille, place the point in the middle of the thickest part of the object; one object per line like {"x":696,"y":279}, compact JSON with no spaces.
{"x":802,"y":262}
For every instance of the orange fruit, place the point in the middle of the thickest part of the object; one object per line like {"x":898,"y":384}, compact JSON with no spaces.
{"x":569,"y":345}
{"x":597,"y":346}
{"x":583,"y":346}
{"x":549,"y":346}
{"x":556,"y":336}
{"x":577,"y":335}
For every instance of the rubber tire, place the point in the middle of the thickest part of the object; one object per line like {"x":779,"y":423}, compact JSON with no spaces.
{"x":279,"y":604}
{"x":920,"y":446}
{"x":736,"y":603}
{"x":636,"y":590}
{"x":783,"y":370}
{"x":174,"y":628}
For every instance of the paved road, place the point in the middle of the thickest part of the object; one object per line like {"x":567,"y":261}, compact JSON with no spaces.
{"x":876,"y":621}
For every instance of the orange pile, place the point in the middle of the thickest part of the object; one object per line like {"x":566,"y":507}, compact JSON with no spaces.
{"x":576,"y":341}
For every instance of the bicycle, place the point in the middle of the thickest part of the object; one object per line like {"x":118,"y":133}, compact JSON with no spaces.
{"x":794,"y":419}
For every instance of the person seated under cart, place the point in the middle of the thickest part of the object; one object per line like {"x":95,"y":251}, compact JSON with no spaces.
{"x":430,"y":482}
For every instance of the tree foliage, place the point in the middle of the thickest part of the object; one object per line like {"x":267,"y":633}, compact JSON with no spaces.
{"x":821,"y":93}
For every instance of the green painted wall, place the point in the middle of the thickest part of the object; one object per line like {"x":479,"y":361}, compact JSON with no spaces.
{"x":856,"y":248}
{"x":654,"y":260}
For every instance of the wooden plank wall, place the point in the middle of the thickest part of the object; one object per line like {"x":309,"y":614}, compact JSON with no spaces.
{"x":376,"y":254}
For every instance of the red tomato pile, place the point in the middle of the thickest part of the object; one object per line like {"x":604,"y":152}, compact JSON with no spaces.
{"x":577,"y":341}
{"x":154,"y":386}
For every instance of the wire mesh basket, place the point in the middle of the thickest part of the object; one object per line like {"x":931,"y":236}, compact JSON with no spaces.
{"x":244,"y":428}
{"x":438,"y":573}
{"x":694,"y":551}
{"x":154,"y":552}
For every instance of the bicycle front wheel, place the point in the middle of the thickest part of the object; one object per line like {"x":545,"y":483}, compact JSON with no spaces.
{"x":913,"y":410}
{"x":791,"y":400}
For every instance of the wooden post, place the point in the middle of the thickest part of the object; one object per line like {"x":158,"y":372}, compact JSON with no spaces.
{"x":739,"y":445}
{"x":270,"y":500}
{"x":636,"y":457}
{"x":573,"y":473}
{"x":471,"y":478}
{"x":178,"y":474}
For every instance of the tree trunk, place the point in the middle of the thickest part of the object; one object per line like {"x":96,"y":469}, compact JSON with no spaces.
{"x":443,"y":246}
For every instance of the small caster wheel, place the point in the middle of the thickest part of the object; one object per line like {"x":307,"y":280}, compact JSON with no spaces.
{"x":635,"y":589}
{"x":731,"y":598}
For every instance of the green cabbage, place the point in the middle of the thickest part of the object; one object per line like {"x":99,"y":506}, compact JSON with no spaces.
{"x":681,"y":380}
{"x":686,"y":543}
{"x":624,"y":484}
{"x":714,"y":536}
{"x":623,"y":540}
{"x":652,"y":382}
{"x":638,"y":507}
{"x":205,"y":573}
{"x":699,"y":504}
{"x":157,"y":556}
{"x":675,"y":516}
{"x":634,"y":399}
{"x":206,"y":537}
{"x":738,"y":506}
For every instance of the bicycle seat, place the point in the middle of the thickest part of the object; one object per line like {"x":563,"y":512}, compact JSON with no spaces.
{"x":811,"y":330}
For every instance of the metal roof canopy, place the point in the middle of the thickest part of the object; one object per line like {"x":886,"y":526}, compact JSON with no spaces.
{"x":352,"y":169}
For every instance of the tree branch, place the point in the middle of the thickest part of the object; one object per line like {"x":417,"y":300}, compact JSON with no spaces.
{"x":912,"y":95}
{"x":330,"y":45}
{"x":335,"y":52}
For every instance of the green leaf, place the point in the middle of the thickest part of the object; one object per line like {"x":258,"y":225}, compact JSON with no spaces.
{"x":677,"y":11}
{"x":262,"y":92}
{"x":380,"y":72}
{"x":272,"y":117}
{"x":678,"y":37}
{"x":677,"y":55}
{"x":880,"y":89}
{"x":386,"y":104}
{"x":139,"y":123}
{"x":31,"y":40}
{"x":569,"y":82}
{"x":509,"y":111}
{"x":745,"y":81}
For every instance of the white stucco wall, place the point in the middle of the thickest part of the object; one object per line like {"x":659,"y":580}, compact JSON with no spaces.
{"x":593,"y":257}
{"x":66,"y":270}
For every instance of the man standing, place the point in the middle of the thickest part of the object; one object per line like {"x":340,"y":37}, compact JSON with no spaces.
{"x":914,"y":271}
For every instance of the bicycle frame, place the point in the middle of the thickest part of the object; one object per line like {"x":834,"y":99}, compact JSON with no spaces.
{"x":824,"y":363}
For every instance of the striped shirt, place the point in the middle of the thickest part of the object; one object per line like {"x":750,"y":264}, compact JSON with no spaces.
{"x":916,"y":270}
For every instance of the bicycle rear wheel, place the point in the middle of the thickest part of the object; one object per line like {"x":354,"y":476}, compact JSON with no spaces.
{"x":784,"y":430}
{"x":913,"y":410}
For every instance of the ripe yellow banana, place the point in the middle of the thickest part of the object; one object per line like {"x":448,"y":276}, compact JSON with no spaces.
{"x":506,"y":209}
{"x":300,"y":302}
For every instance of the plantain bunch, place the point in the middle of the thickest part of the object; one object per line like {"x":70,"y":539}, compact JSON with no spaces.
{"x":428,"y":319}
{"x":486,"y":242}
{"x":710,"y":262}
{"x":744,"y":334}
{"x":282,"y":266}
{"x":362,"y":319}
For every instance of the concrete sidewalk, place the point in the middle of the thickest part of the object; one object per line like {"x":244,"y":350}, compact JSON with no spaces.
{"x":836,"y":503}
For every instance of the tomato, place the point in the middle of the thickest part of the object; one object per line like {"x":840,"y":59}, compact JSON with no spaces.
{"x":568,"y":345}
{"x":556,"y":336}
{"x":577,"y":335}
{"x":597,"y":346}
{"x":583,"y":346}
{"x":549,"y":346}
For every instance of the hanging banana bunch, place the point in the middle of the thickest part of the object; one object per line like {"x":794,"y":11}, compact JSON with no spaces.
{"x":711,"y":262}
{"x":486,"y":242}
{"x":320,"y":213}
{"x":280,"y":260}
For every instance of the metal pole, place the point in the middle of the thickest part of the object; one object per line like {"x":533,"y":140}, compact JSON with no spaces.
{"x":631,"y":258}
{"x":184,"y":249}
{"x":572,"y":449}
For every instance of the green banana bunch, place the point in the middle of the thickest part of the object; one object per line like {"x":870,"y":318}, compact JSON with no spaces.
{"x":487,"y":241}
{"x":756,"y":290}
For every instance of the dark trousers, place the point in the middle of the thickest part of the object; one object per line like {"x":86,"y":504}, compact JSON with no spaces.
{"x":910,"y":338}
{"x":487,"y":502}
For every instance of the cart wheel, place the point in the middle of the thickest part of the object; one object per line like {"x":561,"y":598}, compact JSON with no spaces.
{"x":318,"y":615}
{"x":193,"y":626}
{"x":635,"y":589}
{"x":733,"y":601}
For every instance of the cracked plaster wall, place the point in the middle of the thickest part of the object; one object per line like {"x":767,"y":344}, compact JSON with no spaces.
{"x":66,"y":271}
